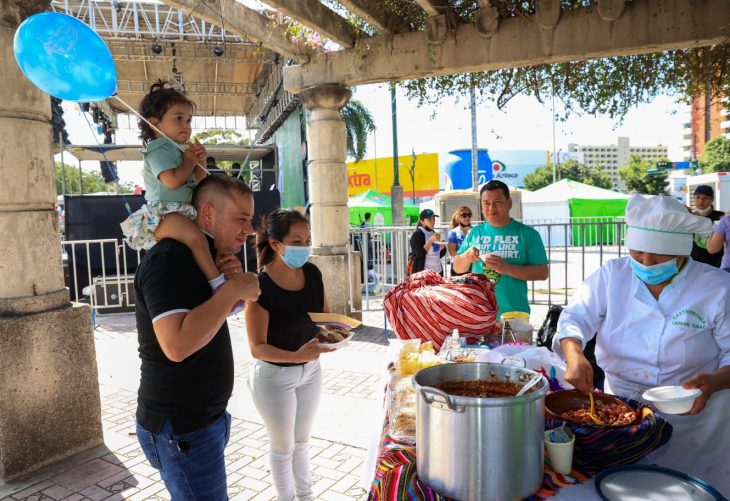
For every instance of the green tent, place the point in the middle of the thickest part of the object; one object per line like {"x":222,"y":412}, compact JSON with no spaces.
{"x":378,"y":205}
{"x":595,"y":213}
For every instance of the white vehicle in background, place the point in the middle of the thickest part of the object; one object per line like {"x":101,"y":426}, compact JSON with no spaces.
{"x":720,"y":182}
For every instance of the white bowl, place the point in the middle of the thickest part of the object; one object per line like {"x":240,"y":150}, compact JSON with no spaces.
{"x":672,"y":399}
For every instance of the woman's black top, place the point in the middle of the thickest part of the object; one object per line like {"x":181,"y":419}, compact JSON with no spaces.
{"x":289,"y":325}
{"x":418,"y":253}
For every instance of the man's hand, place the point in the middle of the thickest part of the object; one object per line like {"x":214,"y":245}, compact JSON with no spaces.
{"x":246,"y":285}
{"x":497,"y":264}
{"x":578,"y":372}
{"x":472,"y":255}
{"x":229,"y":265}
{"x":706,"y":383}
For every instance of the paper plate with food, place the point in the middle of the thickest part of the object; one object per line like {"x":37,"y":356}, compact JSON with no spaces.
{"x":335,"y":330}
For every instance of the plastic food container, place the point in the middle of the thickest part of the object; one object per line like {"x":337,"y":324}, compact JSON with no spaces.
{"x":519,"y":322}
{"x":672,"y":399}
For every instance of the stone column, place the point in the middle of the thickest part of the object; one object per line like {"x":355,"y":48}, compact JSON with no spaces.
{"x":49,"y":390}
{"x":328,"y":195}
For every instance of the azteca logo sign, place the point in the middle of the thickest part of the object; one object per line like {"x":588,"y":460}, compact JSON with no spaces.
{"x":499,"y":171}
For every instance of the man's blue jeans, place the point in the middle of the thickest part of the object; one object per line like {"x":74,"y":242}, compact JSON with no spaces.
{"x":192,"y":465}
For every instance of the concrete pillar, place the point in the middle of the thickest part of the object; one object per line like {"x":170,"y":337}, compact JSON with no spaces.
{"x":49,"y":391}
{"x":328,"y":195}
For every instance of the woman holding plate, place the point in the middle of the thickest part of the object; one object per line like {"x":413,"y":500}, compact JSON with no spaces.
{"x":662,"y":319}
{"x":286,"y":378}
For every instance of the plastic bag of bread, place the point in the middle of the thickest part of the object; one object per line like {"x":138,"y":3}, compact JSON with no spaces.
{"x":402,"y":408}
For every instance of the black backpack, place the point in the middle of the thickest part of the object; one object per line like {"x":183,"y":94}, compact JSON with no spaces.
{"x":549,"y":327}
{"x":547,"y":332}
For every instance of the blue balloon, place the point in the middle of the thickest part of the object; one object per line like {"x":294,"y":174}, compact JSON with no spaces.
{"x":65,"y":58}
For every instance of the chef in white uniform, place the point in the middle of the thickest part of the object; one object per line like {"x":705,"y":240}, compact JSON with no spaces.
{"x":661,"y":319}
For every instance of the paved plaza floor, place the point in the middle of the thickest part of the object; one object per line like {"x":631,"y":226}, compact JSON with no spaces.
{"x":350,"y":410}
{"x":349,"y":423}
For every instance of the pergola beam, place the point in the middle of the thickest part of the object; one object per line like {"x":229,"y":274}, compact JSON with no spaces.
{"x":245,"y":22}
{"x":320,"y":18}
{"x":434,"y":7}
{"x":645,"y":26}
{"x":372,"y":12}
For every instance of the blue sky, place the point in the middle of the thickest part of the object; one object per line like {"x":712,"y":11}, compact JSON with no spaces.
{"x":523,"y":124}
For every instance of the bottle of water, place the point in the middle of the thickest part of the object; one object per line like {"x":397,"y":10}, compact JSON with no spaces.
{"x":455,"y":342}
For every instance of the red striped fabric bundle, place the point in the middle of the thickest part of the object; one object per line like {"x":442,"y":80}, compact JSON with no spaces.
{"x":428,"y":307}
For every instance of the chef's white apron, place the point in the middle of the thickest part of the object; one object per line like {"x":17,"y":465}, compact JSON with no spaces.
{"x":700,"y":444}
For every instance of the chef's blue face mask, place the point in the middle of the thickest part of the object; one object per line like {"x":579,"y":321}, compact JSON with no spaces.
{"x":295,"y":256}
{"x":655,"y":274}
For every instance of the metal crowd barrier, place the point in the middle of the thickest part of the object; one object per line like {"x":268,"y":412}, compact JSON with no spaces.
{"x":98,"y":272}
{"x":575,"y":248}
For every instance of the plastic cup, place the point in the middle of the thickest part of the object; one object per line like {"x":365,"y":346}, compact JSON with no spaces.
{"x":560,"y":454}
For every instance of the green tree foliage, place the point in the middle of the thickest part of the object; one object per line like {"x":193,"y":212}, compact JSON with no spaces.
{"x":358,"y":124}
{"x":610,"y":86}
{"x":570,"y":169}
{"x":93,"y":181}
{"x":635,"y":178}
{"x":716,"y":157}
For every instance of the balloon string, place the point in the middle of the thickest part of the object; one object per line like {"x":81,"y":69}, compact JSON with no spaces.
{"x":116,"y":96}
{"x":108,"y":163}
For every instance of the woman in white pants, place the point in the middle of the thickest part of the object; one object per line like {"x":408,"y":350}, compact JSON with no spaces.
{"x":286,"y":378}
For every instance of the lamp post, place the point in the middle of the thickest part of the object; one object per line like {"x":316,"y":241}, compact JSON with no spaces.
{"x":396,"y":191}
{"x":554,"y":159}
{"x":474,"y":152}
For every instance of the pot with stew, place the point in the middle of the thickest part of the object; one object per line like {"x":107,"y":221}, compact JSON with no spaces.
{"x":475,"y":439}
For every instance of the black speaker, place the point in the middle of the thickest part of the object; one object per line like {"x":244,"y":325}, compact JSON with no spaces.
{"x":108,"y":171}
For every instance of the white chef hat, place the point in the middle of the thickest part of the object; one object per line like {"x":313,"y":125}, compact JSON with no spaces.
{"x":662,"y":225}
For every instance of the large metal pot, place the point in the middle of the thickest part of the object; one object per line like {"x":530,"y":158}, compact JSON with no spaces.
{"x":479,"y":448}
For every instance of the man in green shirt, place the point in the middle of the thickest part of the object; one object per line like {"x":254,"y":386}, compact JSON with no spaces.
{"x":506,"y":251}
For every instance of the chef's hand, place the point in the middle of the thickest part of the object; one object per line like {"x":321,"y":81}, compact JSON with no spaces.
{"x":706,"y":384}
{"x":578,"y":371}
{"x":497,"y":264}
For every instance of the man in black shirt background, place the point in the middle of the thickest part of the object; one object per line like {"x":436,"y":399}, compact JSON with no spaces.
{"x":187,"y":360}
{"x":703,"y":197}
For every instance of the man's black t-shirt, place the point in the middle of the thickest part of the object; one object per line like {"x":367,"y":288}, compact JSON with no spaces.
{"x":700,"y":253}
{"x":192,"y":393}
{"x":289,"y":325}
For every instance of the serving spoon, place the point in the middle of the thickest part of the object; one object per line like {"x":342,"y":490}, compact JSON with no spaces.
{"x":532,"y":382}
{"x":594,"y":418}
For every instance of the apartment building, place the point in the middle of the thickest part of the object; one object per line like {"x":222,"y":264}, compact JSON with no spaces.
{"x":610,"y":158}
{"x":707,"y":118}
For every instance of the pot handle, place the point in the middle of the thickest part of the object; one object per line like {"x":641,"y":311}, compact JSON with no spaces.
{"x":439,"y":399}
{"x":516,"y":361}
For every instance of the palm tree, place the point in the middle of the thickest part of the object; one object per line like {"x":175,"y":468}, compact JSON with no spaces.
{"x":358,"y":124}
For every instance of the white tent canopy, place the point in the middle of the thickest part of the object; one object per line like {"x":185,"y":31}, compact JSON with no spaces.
{"x":551,"y":205}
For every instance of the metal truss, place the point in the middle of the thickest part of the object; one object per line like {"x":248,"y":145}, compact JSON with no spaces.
{"x":231,"y":89}
{"x":144,"y":20}
{"x":139,"y":50}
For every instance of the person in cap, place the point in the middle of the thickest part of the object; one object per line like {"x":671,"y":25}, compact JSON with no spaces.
{"x":427,"y":247}
{"x":661,"y":318}
{"x":703,"y":197}
{"x":506,"y":251}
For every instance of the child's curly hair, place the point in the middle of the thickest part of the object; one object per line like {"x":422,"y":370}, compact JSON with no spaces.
{"x":155,"y":104}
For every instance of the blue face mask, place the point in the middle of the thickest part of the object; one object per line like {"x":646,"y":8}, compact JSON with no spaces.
{"x":295,"y":256}
{"x":656,"y":274}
